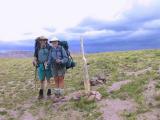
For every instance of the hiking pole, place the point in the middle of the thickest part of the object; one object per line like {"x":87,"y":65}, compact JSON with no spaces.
{"x":86,"y":75}
{"x":35,"y":78}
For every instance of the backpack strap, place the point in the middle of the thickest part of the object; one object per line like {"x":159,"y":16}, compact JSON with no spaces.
{"x":49,"y":50}
{"x":61,"y":52}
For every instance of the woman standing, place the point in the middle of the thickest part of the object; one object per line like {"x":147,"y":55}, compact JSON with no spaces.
{"x":57,"y":59}
{"x":41,"y":55}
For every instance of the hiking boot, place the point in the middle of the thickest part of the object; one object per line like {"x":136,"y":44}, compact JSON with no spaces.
{"x":40,"y":94}
{"x":49,"y":92}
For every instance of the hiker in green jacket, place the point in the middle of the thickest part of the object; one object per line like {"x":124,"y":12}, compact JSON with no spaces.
{"x":57,"y":60}
{"x":41,"y":55}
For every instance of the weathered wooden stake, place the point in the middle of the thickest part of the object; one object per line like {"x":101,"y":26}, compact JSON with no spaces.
{"x":86,"y":75}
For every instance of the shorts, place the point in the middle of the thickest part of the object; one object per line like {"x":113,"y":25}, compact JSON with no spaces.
{"x":58,"y":71}
{"x":42,"y":73}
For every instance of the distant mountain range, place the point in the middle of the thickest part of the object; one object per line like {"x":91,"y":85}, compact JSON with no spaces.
{"x":16,"y":54}
{"x":91,"y":46}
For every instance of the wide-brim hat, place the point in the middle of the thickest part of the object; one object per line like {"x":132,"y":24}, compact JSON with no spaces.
{"x":41,"y":38}
{"x":54,"y":39}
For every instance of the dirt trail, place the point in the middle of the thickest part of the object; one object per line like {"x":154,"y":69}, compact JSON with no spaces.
{"x":154,"y":114}
{"x":27,"y":116}
{"x":117,"y":85}
{"x":150,"y":93}
{"x":113,"y":108}
{"x":139,"y":72}
{"x":21,"y":113}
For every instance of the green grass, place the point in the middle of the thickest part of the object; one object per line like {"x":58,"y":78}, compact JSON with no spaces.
{"x":103,"y":91}
{"x":84,"y":104}
{"x":3,"y":112}
{"x":17,"y":82}
{"x":129,"y":116}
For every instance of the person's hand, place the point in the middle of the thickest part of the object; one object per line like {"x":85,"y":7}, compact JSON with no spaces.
{"x":58,"y":61}
{"x":34,"y":63}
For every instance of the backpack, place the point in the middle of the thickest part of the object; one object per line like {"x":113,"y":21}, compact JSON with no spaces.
{"x":37,"y":47}
{"x":70,"y":63}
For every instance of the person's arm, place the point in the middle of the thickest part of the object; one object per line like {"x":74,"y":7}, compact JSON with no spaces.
{"x":35,"y":60}
{"x":36,"y":53}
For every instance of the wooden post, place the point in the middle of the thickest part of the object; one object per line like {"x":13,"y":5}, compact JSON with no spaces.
{"x":86,"y":75}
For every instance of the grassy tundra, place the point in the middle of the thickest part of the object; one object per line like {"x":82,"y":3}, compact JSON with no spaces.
{"x":18,"y":98}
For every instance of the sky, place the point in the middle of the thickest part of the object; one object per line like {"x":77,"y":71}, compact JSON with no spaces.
{"x":23,"y":20}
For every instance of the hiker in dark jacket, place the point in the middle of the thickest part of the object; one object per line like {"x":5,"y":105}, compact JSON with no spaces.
{"x":57,"y":60}
{"x":41,"y":55}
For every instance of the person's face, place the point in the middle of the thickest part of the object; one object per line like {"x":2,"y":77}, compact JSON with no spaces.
{"x":55,"y":43}
{"x":42,"y":42}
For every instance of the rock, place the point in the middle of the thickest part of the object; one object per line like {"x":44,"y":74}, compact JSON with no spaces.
{"x":93,"y":81}
{"x":91,"y":98}
{"x":93,"y":95}
{"x":77,"y":95}
{"x":93,"y":92}
{"x":76,"y":98}
{"x":100,"y":82}
{"x":102,"y":78}
{"x":96,"y":94}
{"x":64,"y":99}
{"x":55,"y":100}
{"x":99,"y":79}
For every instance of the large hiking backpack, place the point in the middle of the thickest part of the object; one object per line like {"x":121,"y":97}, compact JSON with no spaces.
{"x":37,"y":47}
{"x":70,"y":63}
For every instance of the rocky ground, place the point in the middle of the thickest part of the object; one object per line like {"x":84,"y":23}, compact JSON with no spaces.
{"x":129,"y":84}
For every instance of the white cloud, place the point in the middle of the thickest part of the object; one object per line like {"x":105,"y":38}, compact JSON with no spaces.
{"x":152,"y":24}
{"x":31,"y":16}
{"x":145,"y":2}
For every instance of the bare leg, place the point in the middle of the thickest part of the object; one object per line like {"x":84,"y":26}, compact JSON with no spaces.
{"x":42,"y":84}
{"x":56,"y":82}
{"x":61,"y":82}
{"x":48,"y":84}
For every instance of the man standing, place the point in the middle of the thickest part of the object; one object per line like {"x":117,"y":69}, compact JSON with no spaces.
{"x":41,"y":55}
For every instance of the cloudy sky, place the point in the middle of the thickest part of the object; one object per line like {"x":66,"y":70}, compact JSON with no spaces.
{"x":69,"y":19}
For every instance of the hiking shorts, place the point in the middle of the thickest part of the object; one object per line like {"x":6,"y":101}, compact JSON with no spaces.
{"x":58,"y":71}
{"x":42,"y":73}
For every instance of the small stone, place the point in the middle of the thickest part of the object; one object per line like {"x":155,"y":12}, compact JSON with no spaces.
{"x":93,"y":83}
{"x":96,"y":94}
{"x":93,"y":92}
{"x":91,"y":98}
{"x":100,"y":81}
{"x":77,"y":95}
{"x":76,"y":98}
{"x":55,"y":100}
{"x":98,"y":97}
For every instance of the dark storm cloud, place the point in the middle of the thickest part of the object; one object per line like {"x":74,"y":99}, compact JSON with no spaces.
{"x":139,"y":23}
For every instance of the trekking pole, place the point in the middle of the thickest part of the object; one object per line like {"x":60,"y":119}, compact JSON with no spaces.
{"x":35,"y":78}
{"x":86,"y":75}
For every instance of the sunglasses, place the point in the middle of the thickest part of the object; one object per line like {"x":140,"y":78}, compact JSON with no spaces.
{"x":43,"y":40}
